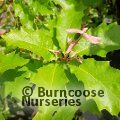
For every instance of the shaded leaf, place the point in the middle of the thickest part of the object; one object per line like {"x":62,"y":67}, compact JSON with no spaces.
{"x":11,"y":61}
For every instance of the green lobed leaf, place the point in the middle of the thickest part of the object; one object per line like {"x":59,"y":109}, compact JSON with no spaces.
{"x":38,"y":42}
{"x":52,"y":76}
{"x":100,"y":76}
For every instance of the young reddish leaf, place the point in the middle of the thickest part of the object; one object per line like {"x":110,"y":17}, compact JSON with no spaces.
{"x":72,"y":44}
{"x":90,"y":38}
{"x":77,"y":30}
{"x":2,"y":32}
